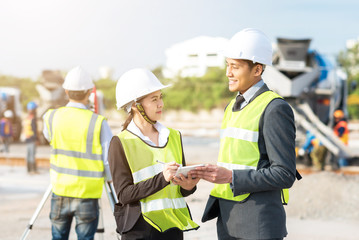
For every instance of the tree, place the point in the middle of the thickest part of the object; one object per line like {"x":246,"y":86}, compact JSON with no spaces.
{"x":25,"y":85}
{"x":195,"y":93}
{"x":349,"y":60}
{"x":108,"y":88}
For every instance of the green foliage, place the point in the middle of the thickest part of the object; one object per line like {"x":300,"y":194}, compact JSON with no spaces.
{"x":108,"y":88}
{"x":190,"y":93}
{"x":195,"y":93}
{"x":353,"y":111}
{"x":349,"y":60}
{"x":353,"y":106}
{"x":158,"y":72}
{"x":26,"y":86}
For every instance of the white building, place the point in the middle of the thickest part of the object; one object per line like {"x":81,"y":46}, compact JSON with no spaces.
{"x":194,"y":56}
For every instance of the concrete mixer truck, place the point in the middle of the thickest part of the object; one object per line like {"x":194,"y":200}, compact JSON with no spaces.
{"x":314,"y":86}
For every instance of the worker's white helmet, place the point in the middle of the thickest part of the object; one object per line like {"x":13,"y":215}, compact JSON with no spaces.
{"x":250,"y":44}
{"x":77,"y":79}
{"x":135,"y":84}
{"x":8,"y":114}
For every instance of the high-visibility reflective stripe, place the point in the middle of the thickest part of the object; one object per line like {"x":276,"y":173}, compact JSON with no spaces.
{"x":75,"y":154}
{"x":238,"y":133}
{"x":75,"y":172}
{"x":91,"y":131}
{"x":164,"y":203}
{"x":166,"y":208}
{"x":239,"y":142}
{"x":89,"y":141}
{"x":51,"y":118}
{"x":232,"y":166}
{"x":147,"y":172}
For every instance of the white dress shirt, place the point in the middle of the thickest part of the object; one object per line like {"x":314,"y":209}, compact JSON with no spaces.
{"x":250,"y":92}
{"x":162,"y":136}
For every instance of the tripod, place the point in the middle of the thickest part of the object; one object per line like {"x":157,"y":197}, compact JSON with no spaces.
{"x":111,"y":195}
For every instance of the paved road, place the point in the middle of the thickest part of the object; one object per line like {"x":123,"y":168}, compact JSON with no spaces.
{"x":20,"y":194}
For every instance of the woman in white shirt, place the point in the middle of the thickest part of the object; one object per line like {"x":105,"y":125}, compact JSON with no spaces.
{"x":151,"y":198}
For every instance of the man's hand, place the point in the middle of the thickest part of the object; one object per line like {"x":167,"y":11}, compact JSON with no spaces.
{"x":186,"y":183}
{"x":213,"y":173}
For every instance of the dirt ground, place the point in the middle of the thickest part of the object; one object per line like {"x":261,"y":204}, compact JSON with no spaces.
{"x":323,"y":205}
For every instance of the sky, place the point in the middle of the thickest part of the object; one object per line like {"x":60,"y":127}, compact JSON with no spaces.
{"x":61,"y":34}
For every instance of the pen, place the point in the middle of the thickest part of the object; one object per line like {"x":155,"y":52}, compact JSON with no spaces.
{"x":160,"y":162}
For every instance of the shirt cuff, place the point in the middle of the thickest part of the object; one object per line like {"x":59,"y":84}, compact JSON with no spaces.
{"x":108,"y":174}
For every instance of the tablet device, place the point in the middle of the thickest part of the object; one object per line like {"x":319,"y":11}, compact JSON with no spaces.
{"x":186,"y":169}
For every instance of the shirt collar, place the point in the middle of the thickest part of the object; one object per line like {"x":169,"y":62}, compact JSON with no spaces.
{"x":76,"y":105}
{"x":248,"y":95}
{"x":162,"y":136}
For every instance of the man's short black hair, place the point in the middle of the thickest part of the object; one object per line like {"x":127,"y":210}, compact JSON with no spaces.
{"x":77,"y":95}
{"x":252,"y":65}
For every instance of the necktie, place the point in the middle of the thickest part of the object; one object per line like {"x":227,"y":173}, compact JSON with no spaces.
{"x":237,"y":104}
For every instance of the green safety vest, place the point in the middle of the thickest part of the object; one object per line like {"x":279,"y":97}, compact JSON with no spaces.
{"x":76,"y":164}
{"x":166,"y":208}
{"x":239,"y":142}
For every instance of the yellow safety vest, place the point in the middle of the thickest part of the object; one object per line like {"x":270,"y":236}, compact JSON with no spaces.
{"x":28,"y":127}
{"x":166,"y":208}
{"x":239,"y":141}
{"x":76,"y":164}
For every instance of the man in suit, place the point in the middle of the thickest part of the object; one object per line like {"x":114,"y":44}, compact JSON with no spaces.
{"x":257,"y":151}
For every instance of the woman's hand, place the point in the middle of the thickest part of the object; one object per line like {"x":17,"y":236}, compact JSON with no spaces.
{"x":187,"y":183}
{"x":170,"y":170}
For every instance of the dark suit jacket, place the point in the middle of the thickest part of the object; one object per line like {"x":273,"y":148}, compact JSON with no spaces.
{"x":262,"y":215}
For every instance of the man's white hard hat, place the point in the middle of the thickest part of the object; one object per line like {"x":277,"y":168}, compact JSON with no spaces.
{"x":77,"y":79}
{"x":250,"y":44}
{"x":134,"y":84}
{"x":8,"y":114}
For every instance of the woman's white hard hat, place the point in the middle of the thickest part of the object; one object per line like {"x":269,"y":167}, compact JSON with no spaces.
{"x":134,"y":84}
{"x":77,"y":79}
{"x":250,"y":44}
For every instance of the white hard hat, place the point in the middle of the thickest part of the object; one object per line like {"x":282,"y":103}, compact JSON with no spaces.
{"x":8,"y":114}
{"x":250,"y":44}
{"x":301,"y":152}
{"x":78,"y":79}
{"x":135,"y":84}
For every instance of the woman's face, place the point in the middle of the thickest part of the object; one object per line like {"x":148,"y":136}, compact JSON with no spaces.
{"x":153,"y":104}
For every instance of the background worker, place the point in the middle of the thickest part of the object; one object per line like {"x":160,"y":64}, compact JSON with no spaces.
{"x":79,"y":139}
{"x":341,"y":130}
{"x":31,"y":137}
{"x":3,"y":101}
{"x":317,"y":151}
{"x":257,"y":150}
{"x":149,"y":207}
{"x":6,"y":131}
{"x":307,"y":149}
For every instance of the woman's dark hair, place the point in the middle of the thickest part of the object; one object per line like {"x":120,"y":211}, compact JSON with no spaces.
{"x":128,"y":120}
